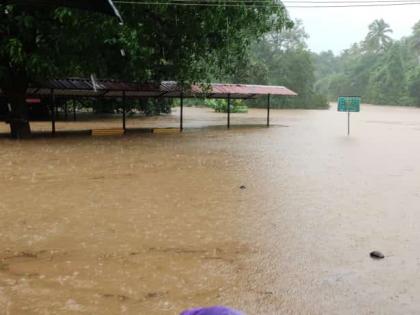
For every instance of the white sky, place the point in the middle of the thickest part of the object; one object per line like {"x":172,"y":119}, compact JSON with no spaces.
{"x":337,"y":28}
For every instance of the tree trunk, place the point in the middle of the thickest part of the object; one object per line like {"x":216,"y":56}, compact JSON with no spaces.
{"x":19,"y":118}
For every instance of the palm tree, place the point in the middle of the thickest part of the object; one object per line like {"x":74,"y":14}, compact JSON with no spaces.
{"x":377,"y":39}
{"x":415,"y":39}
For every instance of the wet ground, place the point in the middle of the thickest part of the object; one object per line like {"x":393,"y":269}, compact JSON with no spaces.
{"x":155,"y":223}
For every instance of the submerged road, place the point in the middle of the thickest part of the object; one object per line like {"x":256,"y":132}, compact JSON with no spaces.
{"x":153,"y":224}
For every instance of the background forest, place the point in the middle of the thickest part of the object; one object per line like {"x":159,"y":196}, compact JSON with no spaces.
{"x":381,"y":70}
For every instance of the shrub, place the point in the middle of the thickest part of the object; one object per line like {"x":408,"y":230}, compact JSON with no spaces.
{"x":220,"y":105}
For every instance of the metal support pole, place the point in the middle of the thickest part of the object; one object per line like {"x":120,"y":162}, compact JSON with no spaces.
{"x":52,"y":112}
{"x":66,"y":113}
{"x":181,"y":113}
{"x":268,"y":110}
{"x":123,"y":100}
{"x":348,"y":123}
{"x":74,"y":110}
{"x":228,"y":111}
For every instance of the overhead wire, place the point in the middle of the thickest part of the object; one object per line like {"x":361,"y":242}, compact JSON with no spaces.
{"x":288,"y":4}
{"x":279,"y":1}
{"x":355,"y":5}
{"x":274,"y":2}
{"x":342,"y":1}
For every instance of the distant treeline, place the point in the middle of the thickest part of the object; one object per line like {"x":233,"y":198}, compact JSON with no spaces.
{"x":379,"y":69}
{"x":282,"y":58}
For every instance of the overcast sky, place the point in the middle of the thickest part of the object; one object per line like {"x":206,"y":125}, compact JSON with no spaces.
{"x":337,"y":28}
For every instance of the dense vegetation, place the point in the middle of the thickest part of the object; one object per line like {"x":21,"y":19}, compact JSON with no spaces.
{"x":379,"y":69}
{"x":221,"y":105}
{"x":282,"y":58}
{"x":160,"y":41}
{"x":249,"y":43}
{"x":277,"y":58}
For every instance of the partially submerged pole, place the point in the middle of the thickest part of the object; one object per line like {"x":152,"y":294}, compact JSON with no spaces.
{"x":52,"y":111}
{"x":181,"y":113}
{"x":66,"y":111}
{"x":268,"y":110}
{"x":228,"y":111}
{"x":123,"y":101}
{"x":74,"y":110}
{"x":348,"y":123}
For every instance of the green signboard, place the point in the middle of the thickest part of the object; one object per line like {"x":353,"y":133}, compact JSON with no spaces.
{"x":349,"y":104}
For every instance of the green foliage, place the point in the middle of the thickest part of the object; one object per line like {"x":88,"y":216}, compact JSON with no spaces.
{"x":161,"y":42}
{"x":220,"y":105}
{"x":148,"y":107}
{"x":386,"y":84}
{"x":282,"y":58}
{"x":414,"y":85}
{"x":151,"y":107}
{"x":378,"y":69}
{"x":377,"y":39}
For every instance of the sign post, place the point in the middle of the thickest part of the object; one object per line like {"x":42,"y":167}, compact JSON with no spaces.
{"x":348,"y":104}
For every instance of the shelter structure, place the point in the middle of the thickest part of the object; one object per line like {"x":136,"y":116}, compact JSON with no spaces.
{"x":73,"y":88}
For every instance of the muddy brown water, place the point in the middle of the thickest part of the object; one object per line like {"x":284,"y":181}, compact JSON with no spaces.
{"x":153,"y":224}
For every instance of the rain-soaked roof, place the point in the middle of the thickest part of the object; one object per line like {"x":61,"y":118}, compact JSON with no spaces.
{"x":223,"y":90}
{"x":77,"y":87}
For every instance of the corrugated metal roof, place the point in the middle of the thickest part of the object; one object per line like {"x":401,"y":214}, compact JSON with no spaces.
{"x":83,"y":84}
{"x":253,"y":89}
{"x":245,"y":90}
{"x":73,"y":87}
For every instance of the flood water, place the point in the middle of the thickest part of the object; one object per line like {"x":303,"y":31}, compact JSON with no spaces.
{"x":155,"y":223}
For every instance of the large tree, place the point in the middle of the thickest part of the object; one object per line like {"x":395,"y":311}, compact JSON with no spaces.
{"x":377,"y":39}
{"x":384,"y":74}
{"x":282,"y":58}
{"x":160,"y":40}
{"x":415,"y":39}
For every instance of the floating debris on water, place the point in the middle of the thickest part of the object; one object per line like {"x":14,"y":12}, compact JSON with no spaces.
{"x":242,"y":187}
{"x":377,"y":254}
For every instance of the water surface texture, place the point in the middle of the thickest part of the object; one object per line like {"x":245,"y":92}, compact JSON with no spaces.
{"x":153,"y":224}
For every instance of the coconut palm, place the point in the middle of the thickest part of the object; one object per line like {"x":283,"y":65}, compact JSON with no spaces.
{"x":378,"y":39}
{"x":415,"y":39}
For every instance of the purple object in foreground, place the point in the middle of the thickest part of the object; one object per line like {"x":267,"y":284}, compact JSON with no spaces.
{"x":213,"y":310}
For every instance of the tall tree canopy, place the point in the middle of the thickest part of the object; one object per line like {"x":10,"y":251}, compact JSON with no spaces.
{"x":378,"y":39}
{"x":380,"y":70}
{"x":282,"y":58}
{"x":160,"y":41}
